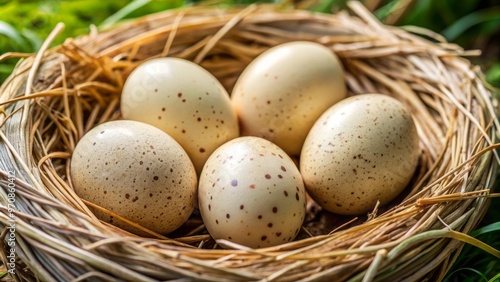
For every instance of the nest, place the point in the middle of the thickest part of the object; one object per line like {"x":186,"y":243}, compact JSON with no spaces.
{"x":52,"y":99}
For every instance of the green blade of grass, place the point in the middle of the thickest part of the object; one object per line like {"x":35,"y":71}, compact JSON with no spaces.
{"x":483,"y":278}
{"x":486,"y":229}
{"x":470,"y":20}
{"x":496,"y":278}
{"x":4,"y":274}
{"x":493,"y":75}
{"x":10,"y":32}
{"x":123,"y":12}
{"x":387,"y":9}
{"x":33,"y":38}
{"x":326,"y":6}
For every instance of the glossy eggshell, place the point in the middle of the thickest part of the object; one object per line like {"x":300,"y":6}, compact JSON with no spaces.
{"x":251,"y":193}
{"x":184,"y":100}
{"x":284,"y":90}
{"x":362,"y":150}
{"x":137,"y":171}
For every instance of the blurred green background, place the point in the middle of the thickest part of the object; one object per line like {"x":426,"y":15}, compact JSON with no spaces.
{"x":473,"y":24}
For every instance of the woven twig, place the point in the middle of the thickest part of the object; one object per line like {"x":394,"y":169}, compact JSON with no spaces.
{"x":51,"y":100}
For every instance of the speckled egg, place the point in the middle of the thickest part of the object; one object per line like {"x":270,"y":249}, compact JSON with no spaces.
{"x":362,"y":150}
{"x":251,"y":193}
{"x":283,"y":92}
{"x":136,"y":171}
{"x":184,"y":100}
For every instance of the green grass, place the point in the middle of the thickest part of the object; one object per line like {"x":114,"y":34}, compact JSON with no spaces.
{"x":472,"y":24}
{"x":473,"y":264}
{"x":25,"y":24}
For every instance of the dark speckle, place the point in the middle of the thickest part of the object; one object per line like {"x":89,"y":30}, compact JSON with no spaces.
{"x":283,"y":168}
{"x":179,"y":94}
{"x":268,"y":176}
{"x":227,"y":216}
{"x":275,"y":209}
{"x":263,"y":238}
{"x":127,"y":196}
{"x":234,"y":182}
{"x":269,"y":225}
{"x":202,"y":150}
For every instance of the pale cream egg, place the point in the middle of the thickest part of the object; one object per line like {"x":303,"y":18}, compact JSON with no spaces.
{"x":184,"y":100}
{"x":136,"y":171}
{"x":251,"y":193}
{"x":362,"y":150}
{"x":283,"y":91}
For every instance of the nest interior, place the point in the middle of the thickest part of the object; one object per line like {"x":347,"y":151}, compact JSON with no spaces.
{"x":52,"y":99}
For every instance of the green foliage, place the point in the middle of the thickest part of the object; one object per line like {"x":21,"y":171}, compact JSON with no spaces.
{"x":487,"y":19}
{"x":123,"y":12}
{"x":493,"y":74}
{"x":328,"y":6}
{"x":474,"y":264}
{"x":472,"y":24}
{"x":25,"y":24}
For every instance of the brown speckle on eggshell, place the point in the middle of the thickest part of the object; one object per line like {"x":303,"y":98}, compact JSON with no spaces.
{"x":284,"y":90}
{"x":362,"y":150}
{"x":152,"y":182}
{"x":184,"y":100}
{"x":257,"y":207}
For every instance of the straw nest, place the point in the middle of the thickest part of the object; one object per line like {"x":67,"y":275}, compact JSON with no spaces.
{"x":53,"y":98}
